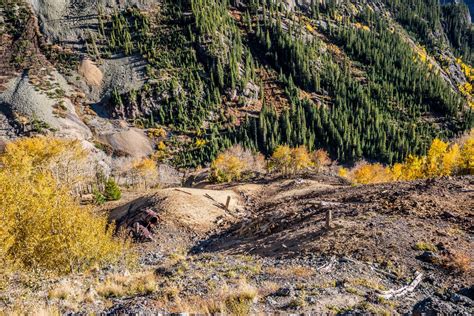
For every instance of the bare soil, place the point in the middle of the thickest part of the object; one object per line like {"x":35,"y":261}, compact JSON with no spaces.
{"x":275,"y":239}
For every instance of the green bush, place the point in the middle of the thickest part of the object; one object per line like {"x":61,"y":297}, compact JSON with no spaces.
{"x":112,"y":191}
{"x":99,"y":198}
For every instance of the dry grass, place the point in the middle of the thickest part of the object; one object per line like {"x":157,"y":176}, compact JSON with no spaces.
{"x":354,"y":291}
{"x":241,"y":300}
{"x":122,"y":285}
{"x":370,"y":284}
{"x":236,"y":300}
{"x":268,"y":287}
{"x":291,"y":272}
{"x":61,"y":292}
{"x":457,"y":262}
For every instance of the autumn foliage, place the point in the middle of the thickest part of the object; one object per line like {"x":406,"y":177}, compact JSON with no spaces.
{"x":234,"y":163}
{"x":442,"y":159}
{"x":286,"y":160}
{"x":42,"y":227}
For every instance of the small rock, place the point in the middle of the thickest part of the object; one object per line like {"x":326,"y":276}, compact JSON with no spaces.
{"x":456,"y":298}
{"x":311,"y":300}
{"x":163,"y":271}
{"x":269,"y":300}
{"x":427,"y":256}
{"x":284,"y":291}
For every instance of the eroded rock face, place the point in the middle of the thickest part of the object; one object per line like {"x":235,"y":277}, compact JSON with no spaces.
{"x":27,"y":103}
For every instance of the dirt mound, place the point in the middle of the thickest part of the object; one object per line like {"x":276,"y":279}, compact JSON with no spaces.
{"x":132,"y":142}
{"x":91,"y":73}
{"x":184,"y":214}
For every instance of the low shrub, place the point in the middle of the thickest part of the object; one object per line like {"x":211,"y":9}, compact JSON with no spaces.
{"x":286,"y":160}
{"x":236,"y":163}
{"x":112,"y":191}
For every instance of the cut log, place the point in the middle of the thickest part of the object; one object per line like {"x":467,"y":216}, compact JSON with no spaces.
{"x":404,"y":290}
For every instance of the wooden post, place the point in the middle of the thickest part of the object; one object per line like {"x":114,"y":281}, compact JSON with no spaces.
{"x":227,"y":203}
{"x":328,"y":219}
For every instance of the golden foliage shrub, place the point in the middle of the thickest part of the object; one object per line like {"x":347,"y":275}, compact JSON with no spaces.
{"x":321,"y":159}
{"x":145,"y":172}
{"x":286,"y":160}
{"x":282,"y":160}
{"x":42,"y":227}
{"x":300,"y":159}
{"x":442,"y":159}
{"x":227,"y":168}
{"x":64,"y":159}
{"x":366,"y":173}
{"x":235,"y":163}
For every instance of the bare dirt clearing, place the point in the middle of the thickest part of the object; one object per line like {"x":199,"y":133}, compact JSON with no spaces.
{"x":274,"y":238}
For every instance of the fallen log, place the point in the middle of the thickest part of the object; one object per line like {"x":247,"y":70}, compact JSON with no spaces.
{"x":403,"y":290}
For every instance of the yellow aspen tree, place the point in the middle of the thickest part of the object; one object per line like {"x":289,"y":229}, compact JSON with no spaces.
{"x":300,"y":159}
{"x":434,"y":159}
{"x":397,"y":172}
{"x":145,"y":171}
{"x":281,"y":159}
{"x":43,"y":228}
{"x":467,"y":156}
{"x":413,"y":168}
{"x":451,"y":160}
{"x":371,"y":173}
{"x":227,"y":168}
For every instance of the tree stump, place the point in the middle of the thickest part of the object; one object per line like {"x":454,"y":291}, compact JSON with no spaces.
{"x":227,"y":203}
{"x":328,"y":219}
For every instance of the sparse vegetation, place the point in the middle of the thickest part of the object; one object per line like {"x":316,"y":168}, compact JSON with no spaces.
{"x":425,"y":246}
{"x":457,"y":262}
{"x":127,"y":285}
{"x":240,"y":301}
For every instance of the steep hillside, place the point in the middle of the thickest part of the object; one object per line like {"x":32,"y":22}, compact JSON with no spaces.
{"x":398,"y":248}
{"x":469,"y":3}
{"x":364,"y":79}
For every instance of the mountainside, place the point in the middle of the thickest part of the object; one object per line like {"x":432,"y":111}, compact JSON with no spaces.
{"x":184,"y":79}
{"x":236,"y":157}
{"x":469,"y":3}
